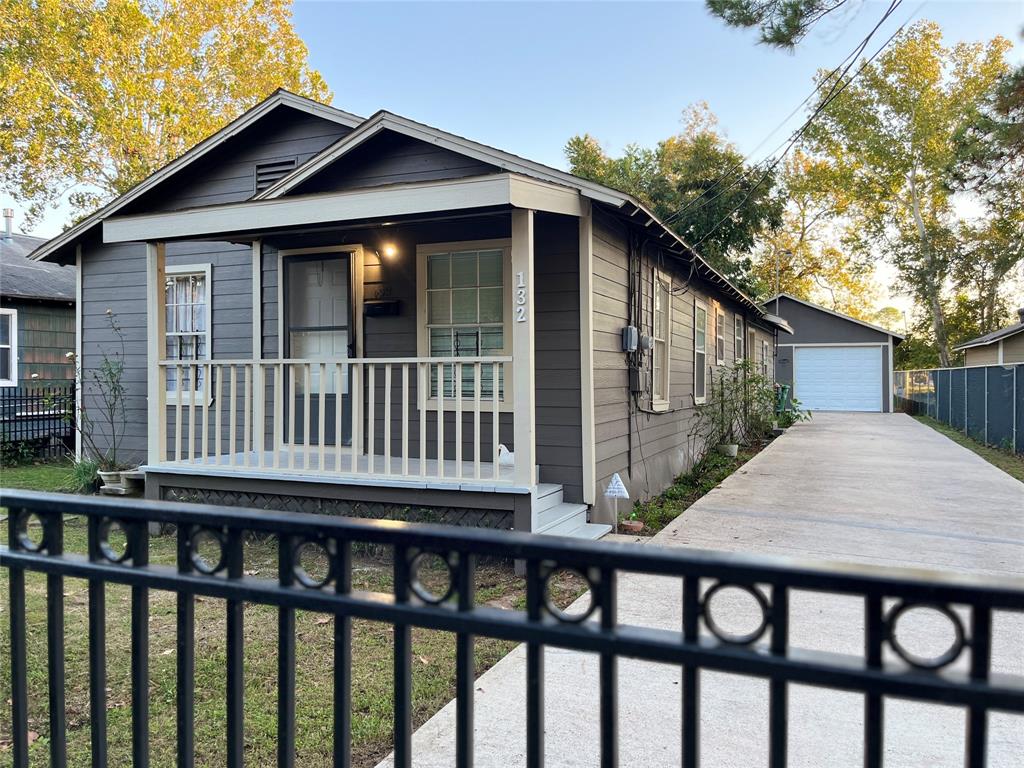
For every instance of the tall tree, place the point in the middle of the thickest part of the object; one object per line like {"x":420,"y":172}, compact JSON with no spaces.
{"x":97,"y":94}
{"x":780,"y":23}
{"x":698,"y":183}
{"x":889,"y":139}
{"x":803,"y":257}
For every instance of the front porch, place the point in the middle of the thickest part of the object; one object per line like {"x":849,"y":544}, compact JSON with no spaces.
{"x":367,"y":371}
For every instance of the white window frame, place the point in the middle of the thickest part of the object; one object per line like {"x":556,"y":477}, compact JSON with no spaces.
{"x":206,"y":270}
{"x":661,"y":281}
{"x":720,"y":336}
{"x":423,"y":252}
{"x":737,"y":351}
{"x":751,"y":345}
{"x":701,"y":306}
{"x":764,"y":357}
{"x":13,"y":380}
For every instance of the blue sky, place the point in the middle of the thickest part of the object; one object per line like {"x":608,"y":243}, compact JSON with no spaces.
{"x":526,"y":76}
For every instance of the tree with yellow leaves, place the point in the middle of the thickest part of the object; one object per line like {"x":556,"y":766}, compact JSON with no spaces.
{"x":98,"y":95}
{"x":803,"y":255}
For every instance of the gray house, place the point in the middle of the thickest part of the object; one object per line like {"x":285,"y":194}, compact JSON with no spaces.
{"x":834,"y":362}
{"x":37,"y":314}
{"x":376,"y":317}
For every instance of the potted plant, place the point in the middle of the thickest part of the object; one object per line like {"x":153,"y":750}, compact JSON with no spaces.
{"x":102,"y":409}
{"x":634,"y":524}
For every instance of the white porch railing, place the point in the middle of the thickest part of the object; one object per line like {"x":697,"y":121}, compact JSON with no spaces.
{"x":432,"y":419}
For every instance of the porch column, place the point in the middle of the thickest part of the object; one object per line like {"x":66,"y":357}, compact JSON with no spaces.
{"x":156,"y":376}
{"x":524,"y":414}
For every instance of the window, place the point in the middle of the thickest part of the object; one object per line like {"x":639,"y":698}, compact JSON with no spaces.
{"x":187,"y":331}
{"x":737,"y":352}
{"x":8,"y":347}
{"x":765,"y":352}
{"x":720,"y":337}
{"x":661,"y":328}
{"x":700,"y":357}
{"x":466,"y":305}
{"x":751,"y":344}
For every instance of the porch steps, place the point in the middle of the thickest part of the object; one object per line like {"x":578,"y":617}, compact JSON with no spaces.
{"x":556,"y":517}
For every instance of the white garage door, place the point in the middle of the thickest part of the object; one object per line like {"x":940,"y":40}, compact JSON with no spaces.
{"x":838,"y":378}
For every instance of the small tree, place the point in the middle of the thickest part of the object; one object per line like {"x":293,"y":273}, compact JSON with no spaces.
{"x":108,"y":397}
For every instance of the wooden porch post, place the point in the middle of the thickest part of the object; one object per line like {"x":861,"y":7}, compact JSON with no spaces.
{"x":156,"y":376}
{"x":259,"y":392}
{"x":524,"y":414}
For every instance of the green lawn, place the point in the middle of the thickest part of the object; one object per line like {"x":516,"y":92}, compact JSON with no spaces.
{"x":1011,"y":463}
{"x":433,"y":661}
{"x":658,"y":512}
{"x":37,"y":477}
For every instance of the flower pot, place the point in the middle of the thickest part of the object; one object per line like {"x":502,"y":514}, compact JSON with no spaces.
{"x":728,"y":449}
{"x":109,"y":478}
{"x":632,"y":526}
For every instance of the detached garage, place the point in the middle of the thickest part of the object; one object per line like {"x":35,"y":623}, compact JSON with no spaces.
{"x":834,"y":362}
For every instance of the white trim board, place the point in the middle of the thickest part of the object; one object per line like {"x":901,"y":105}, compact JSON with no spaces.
{"x":586,"y":280}
{"x":79,"y":309}
{"x":236,"y":126}
{"x":839,"y":344}
{"x":13,"y":347}
{"x":393,"y":200}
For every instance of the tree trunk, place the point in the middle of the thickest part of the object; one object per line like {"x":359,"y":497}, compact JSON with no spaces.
{"x":932,"y":284}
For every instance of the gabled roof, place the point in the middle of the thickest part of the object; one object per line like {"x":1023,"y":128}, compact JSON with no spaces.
{"x":25,"y":279}
{"x":384,"y":120}
{"x":812,"y":305}
{"x":991,"y":338}
{"x":279,"y":98}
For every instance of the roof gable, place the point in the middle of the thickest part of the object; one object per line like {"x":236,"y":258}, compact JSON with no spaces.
{"x":769,"y":303}
{"x":243,"y":122}
{"x":992,"y":338}
{"x":389,"y":157}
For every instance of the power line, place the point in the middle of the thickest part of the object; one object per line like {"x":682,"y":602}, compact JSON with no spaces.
{"x":832,"y":78}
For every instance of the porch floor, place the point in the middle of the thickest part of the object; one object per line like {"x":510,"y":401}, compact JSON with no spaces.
{"x":381,"y":471}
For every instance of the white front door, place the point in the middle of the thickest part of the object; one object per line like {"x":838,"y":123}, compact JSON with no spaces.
{"x":318,"y":327}
{"x":838,"y":378}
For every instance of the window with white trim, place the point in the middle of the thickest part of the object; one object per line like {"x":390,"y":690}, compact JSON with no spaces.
{"x":765,"y":353}
{"x":700,"y":356}
{"x":464,"y":293}
{"x":720,"y":337}
{"x":737,"y":352}
{"x":661,"y":335}
{"x":8,"y":347}
{"x":751,"y":345}
{"x":187,"y":324}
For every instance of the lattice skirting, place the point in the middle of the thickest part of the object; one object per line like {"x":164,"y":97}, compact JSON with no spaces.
{"x":377,"y":510}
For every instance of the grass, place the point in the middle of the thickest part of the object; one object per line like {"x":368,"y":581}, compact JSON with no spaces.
{"x":54,"y":476}
{"x":1011,"y":463}
{"x":705,"y":475}
{"x":433,"y":658}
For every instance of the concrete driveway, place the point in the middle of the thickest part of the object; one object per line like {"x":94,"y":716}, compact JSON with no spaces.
{"x":868,"y":488}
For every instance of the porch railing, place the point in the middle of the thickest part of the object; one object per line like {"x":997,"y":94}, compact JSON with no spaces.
{"x":957,"y":677}
{"x":430,"y":419}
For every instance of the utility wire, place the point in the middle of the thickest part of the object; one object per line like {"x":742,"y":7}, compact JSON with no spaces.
{"x":838,"y":87}
{"x":832,"y":78}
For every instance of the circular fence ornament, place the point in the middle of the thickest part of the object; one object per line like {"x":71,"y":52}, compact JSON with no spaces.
{"x":26,"y":527}
{"x":207,"y":550}
{"x":312,"y":564}
{"x":558,"y":613}
{"x":745,"y":638}
{"x":431,"y":561}
{"x":114,"y":541}
{"x":947,"y":657}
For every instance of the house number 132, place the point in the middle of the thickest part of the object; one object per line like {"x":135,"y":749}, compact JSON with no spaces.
{"x":520,"y":297}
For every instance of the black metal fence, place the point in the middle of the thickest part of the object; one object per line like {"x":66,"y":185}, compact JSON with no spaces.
{"x":984,"y":402}
{"x":36,"y":423}
{"x":886,"y":668}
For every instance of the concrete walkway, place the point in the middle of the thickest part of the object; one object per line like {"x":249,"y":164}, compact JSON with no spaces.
{"x":868,"y":488}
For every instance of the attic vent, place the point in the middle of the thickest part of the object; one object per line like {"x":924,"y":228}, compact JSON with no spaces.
{"x":268,"y":174}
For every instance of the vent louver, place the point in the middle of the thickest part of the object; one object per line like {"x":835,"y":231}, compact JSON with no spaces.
{"x":268,"y":174}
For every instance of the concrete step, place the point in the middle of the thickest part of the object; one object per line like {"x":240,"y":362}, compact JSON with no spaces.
{"x":590,"y":531}
{"x":546,"y":496}
{"x":562,"y":518}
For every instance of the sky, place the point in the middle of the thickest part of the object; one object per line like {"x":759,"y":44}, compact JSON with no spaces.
{"x":525,"y":77}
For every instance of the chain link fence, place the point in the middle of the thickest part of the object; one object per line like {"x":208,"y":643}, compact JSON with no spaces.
{"x":984,"y":402}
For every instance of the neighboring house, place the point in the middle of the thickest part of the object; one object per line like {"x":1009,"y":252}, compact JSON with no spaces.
{"x":834,"y":362}
{"x":37,"y":315}
{"x":353,"y":315}
{"x":1003,"y":346}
